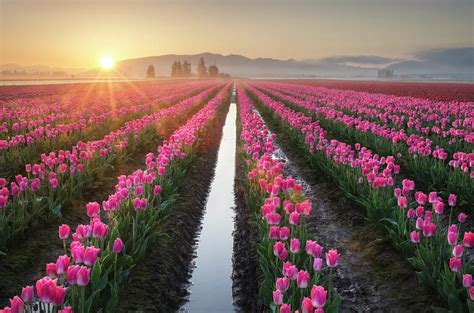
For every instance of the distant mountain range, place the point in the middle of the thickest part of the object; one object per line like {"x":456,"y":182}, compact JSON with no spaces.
{"x":448,"y":63}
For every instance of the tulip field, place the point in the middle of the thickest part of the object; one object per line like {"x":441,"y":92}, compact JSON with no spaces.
{"x":103,"y":189}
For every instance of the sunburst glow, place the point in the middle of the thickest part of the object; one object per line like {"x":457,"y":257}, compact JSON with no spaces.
{"x":107,"y":62}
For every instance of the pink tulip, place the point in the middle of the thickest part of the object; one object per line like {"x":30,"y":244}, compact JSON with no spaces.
{"x":402,"y":202}
{"x":318,"y":296}
{"x":51,"y":270}
{"x":455,"y":264}
{"x":306,"y":305}
{"x":458,"y":251}
{"x":284,"y":233}
{"x":66,"y":309}
{"x":90,"y":255}
{"x":277,"y":297}
{"x":411,"y":213}
{"x":274,"y":232}
{"x":59,"y":295}
{"x":332,"y":258}
{"x":292,"y":272}
{"x":439,"y":207}
{"x":45,"y":288}
{"x":62,"y":263}
{"x":99,"y":230}
{"x":452,"y":200}
{"x":415,"y":236}
{"x":468,"y":240}
{"x":285,"y":308}
{"x":294,"y":245}
{"x":72,"y":274}
{"x":118,"y":245}
{"x":462,"y":217}
{"x":429,"y":229}
{"x":294,"y":217}
{"x":452,"y":238}
{"x":317,"y":264}
{"x":17,"y":305}
{"x":27,"y":293}
{"x":282,"y":284}
{"x":64,"y":231}
{"x":313,"y":249}
{"x":433,"y":197}
{"x":83,"y":276}
{"x":467,"y":280}
{"x":78,"y":253}
{"x":157,"y":190}
{"x":93,"y":209}
{"x":303,"y":279}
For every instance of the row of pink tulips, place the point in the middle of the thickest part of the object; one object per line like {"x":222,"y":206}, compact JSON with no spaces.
{"x":429,"y":172}
{"x":295,"y":276}
{"x":372,"y":181}
{"x":447,"y":120}
{"x":80,"y":120}
{"x":88,"y":277}
{"x":58,"y":177}
{"x":416,"y":144}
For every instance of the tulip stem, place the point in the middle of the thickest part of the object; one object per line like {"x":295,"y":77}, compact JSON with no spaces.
{"x":83,"y":298}
{"x":64,"y":246}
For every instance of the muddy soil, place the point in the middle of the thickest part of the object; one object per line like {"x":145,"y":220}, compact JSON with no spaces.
{"x":246,"y":271}
{"x":159,"y":283}
{"x":372,"y":275}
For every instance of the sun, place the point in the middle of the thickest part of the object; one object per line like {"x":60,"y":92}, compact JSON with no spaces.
{"x":107,"y":62}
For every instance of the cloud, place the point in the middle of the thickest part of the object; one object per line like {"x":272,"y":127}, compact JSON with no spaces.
{"x":455,"y":57}
{"x":359,"y":59}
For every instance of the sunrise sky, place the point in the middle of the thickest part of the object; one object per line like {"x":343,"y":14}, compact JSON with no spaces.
{"x":76,"y":33}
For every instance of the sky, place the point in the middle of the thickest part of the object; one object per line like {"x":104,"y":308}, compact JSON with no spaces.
{"x":76,"y":33}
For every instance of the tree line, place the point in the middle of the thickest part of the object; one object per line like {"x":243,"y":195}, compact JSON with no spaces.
{"x":183,"y":69}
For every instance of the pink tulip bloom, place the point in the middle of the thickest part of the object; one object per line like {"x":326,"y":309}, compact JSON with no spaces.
{"x":284,"y":233}
{"x":51,"y":270}
{"x":402,"y":202}
{"x":411,"y":213}
{"x":59,"y":295}
{"x":277,"y":297}
{"x":83,"y":276}
{"x":429,"y":229}
{"x":452,"y":238}
{"x":285,"y":308}
{"x":118,"y":245}
{"x":471,"y":293}
{"x":99,"y":230}
{"x":462,"y":217}
{"x":66,"y":309}
{"x":46,"y":288}
{"x":303,"y":279}
{"x":455,"y":264}
{"x":313,"y":249}
{"x":415,"y":236}
{"x":27,"y":293}
{"x":306,"y":305}
{"x":294,"y":245}
{"x":317,"y":264}
{"x":78,"y":253}
{"x":278,"y":248}
{"x":420,"y":197}
{"x":458,"y":251}
{"x":90,"y":255}
{"x":318,"y":296}
{"x":439,"y":207}
{"x":332,"y":258}
{"x":452,"y":200}
{"x":62,"y":263}
{"x":294,"y":217}
{"x":274,"y":232}
{"x":468,"y":240}
{"x":433,"y":197}
{"x":282,"y":284}
{"x":292,"y":272}
{"x":157,"y":190}
{"x":93,"y":209}
{"x":64,"y":231}
{"x":420,"y":223}
{"x":72,"y":274}
{"x":17,"y":306}
{"x":467,"y":280}
{"x":397,"y":192}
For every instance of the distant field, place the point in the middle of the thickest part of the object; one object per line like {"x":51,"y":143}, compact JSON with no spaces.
{"x":434,"y":91}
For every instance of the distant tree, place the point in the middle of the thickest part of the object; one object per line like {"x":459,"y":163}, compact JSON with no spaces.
{"x":187,"y":69}
{"x":150,"y":72}
{"x":201,"y":68}
{"x":179,"y":68}
{"x":224,"y":75}
{"x":174,"y":69}
{"x":213,"y":71}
